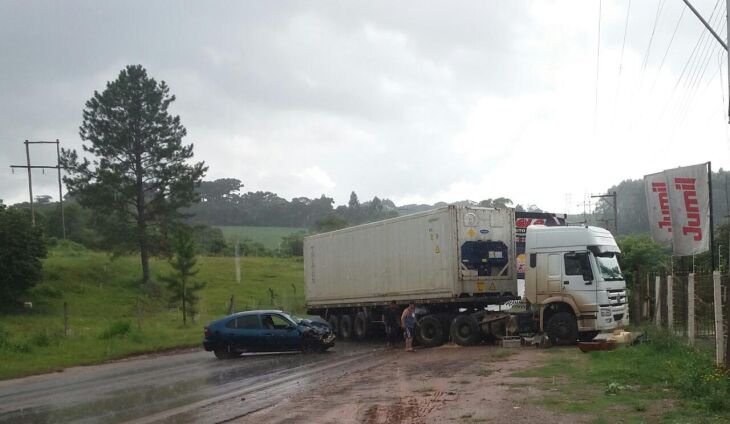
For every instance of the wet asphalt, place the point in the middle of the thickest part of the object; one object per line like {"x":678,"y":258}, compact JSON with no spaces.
{"x":187,"y":387}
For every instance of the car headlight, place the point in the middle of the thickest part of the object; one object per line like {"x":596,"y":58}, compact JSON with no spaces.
{"x":605,"y":312}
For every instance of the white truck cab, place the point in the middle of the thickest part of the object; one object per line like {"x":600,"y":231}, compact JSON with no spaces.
{"x":574,"y":279}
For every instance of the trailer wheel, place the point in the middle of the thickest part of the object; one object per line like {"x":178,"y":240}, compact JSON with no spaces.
{"x":465,"y":330}
{"x":587,"y":336}
{"x":361,"y":326}
{"x":346,"y":326}
{"x":562,"y":329}
{"x":334,"y":323}
{"x":430,"y":331}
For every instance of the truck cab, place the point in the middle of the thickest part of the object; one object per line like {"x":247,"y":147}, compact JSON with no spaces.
{"x":574,"y":282}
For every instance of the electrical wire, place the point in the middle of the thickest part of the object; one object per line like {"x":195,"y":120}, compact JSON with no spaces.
{"x":688,"y":66}
{"x":658,"y":14}
{"x":621,"y":62}
{"x":645,"y":61}
{"x":598,"y":61}
{"x":703,"y":58}
{"x":666,"y":52}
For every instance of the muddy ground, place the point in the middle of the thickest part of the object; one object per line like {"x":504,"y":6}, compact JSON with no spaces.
{"x":445,"y":384}
{"x":353,"y":383}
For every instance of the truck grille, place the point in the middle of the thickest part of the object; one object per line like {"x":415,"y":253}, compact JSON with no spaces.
{"x":617,"y":297}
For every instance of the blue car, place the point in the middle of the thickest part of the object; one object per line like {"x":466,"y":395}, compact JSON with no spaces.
{"x":266,"y":331}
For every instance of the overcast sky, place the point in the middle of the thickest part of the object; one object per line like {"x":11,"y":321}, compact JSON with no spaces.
{"x":414,"y":101}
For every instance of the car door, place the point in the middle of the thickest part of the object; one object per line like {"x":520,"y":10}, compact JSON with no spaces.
{"x":578,"y":279}
{"x":243,"y":332}
{"x":279,"y":333}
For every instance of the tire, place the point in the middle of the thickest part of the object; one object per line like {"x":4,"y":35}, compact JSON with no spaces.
{"x":562,"y":329}
{"x":361,"y":326}
{"x":223,"y":353}
{"x":310,"y":346}
{"x":334,"y":323}
{"x":587,"y":336}
{"x":430,"y":331}
{"x":465,"y":330}
{"x":346,"y":327}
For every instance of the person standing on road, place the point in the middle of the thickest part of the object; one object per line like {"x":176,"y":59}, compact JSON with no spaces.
{"x":408,"y":323}
{"x":390,"y":319}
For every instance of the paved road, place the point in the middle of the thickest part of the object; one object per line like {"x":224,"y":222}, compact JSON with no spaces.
{"x":187,"y":387}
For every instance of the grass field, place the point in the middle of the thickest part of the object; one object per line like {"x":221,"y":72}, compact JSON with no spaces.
{"x":661,"y":381}
{"x":103,"y":297}
{"x":270,"y":237}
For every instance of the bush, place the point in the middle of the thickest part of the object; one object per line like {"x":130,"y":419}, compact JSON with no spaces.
{"x":116,"y":329}
{"x":20,"y":255}
{"x":293,"y":244}
{"x":46,"y":291}
{"x":40,"y":339}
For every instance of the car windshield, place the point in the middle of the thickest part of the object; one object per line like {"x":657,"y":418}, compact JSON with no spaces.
{"x":293,"y":318}
{"x":608,"y":266}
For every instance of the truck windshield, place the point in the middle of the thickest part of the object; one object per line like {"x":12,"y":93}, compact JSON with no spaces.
{"x":608,"y":266}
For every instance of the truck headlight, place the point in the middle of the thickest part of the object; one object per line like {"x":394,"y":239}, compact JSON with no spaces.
{"x":605,"y":312}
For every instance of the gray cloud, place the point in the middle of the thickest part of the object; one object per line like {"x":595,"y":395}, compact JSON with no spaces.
{"x":410,"y":100}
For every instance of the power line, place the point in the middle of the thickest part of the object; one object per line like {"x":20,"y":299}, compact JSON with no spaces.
{"x":598,"y":61}
{"x":621,"y":61}
{"x":701,"y":64}
{"x":666,"y":52}
{"x":689,"y":67}
{"x":659,"y":9}
{"x":645,"y":61}
{"x":681,"y":75}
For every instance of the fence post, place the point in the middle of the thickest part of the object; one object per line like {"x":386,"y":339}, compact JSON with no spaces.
{"x":691,"y":308}
{"x":658,"y":301}
{"x":139,"y":313}
{"x":645,"y":303}
{"x":719,"y":335}
{"x":65,"y":318}
{"x":231,"y":306}
{"x":670,"y":302}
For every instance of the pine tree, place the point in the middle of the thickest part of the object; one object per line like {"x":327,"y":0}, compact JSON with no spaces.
{"x":140,"y":176}
{"x":180,"y":284}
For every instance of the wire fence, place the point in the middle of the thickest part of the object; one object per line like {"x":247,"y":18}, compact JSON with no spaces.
{"x":666,"y":301}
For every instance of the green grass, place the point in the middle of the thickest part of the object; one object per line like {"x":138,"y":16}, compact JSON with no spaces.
{"x":270,"y":237}
{"x":661,"y":381}
{"x":103,"y":297}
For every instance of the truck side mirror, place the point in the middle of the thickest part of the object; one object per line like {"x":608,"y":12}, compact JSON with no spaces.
{"x":587,"y":275}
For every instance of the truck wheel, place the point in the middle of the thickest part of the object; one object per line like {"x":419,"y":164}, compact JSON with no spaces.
{"x":465,"y":330}
{"x":562,"y":329}
{"x":430,"y":331}
{"x":334,"y":323}
{"x":587,"y":336}
{"x":361,"y":326}
{"x":346,"y":327}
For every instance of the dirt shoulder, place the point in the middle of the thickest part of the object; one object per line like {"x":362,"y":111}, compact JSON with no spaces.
{"x":445,"y":384}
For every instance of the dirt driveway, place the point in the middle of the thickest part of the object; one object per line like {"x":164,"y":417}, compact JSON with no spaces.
{"x":445,"y":384}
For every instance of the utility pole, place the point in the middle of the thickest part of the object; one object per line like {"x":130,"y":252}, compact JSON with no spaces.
{"x":58,"y":167}
{"x":615,"y":209}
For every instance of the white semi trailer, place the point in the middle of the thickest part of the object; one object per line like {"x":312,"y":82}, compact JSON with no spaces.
{"x":454,"y":262}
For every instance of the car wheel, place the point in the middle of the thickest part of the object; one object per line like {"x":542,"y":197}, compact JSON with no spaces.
{"x":346,"y":327}
{"x":465,"y":330}
{"x":562,"y":329}
{"x":361,"y":326}
{"x":223,"y":353}
{"x":430,"y":331}
{"x":310,"y":346}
